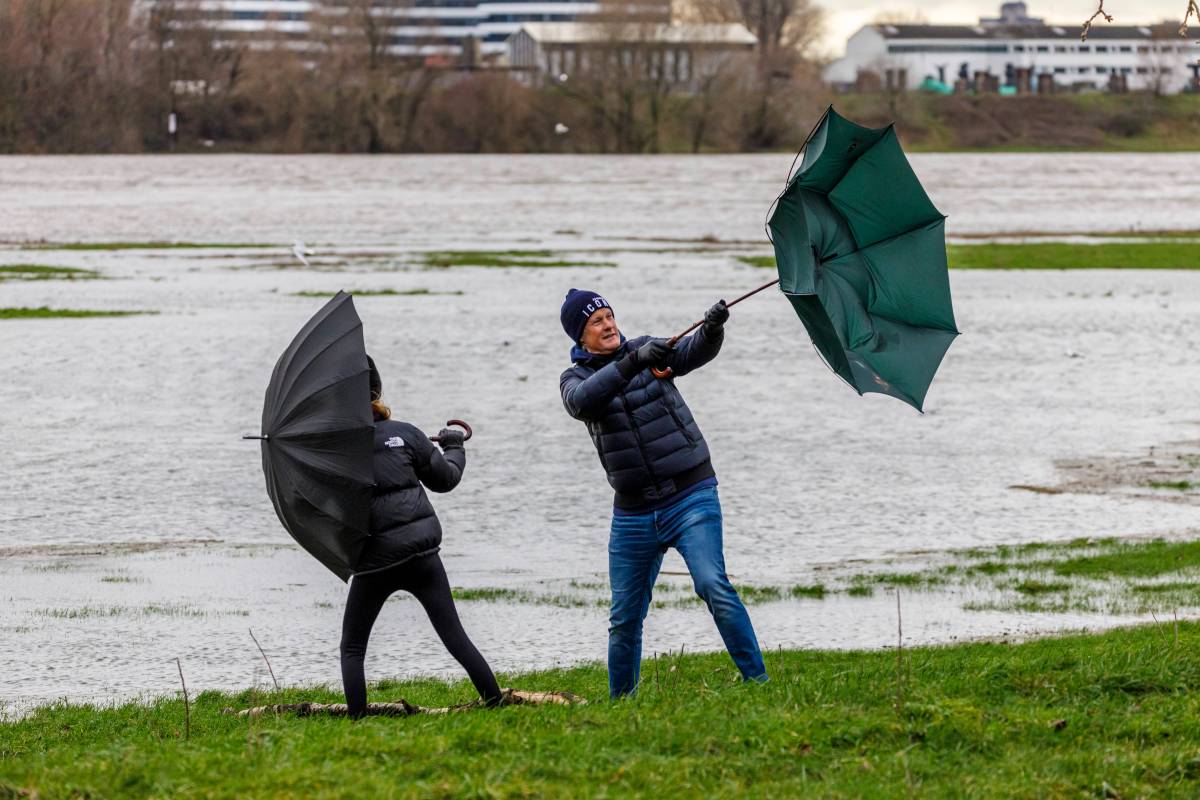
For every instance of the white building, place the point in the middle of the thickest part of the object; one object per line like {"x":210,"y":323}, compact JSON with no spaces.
{"x":414,"y":27}
{"x":1018,"y":50}
{"x":681,"y":55}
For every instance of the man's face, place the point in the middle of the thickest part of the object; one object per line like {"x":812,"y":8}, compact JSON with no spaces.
{"x":601,"y":335}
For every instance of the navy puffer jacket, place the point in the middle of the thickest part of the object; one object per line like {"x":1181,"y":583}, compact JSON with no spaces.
{"x":648,"y":441}
{"x":403,"y":523}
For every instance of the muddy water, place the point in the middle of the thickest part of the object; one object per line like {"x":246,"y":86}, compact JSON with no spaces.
{"x":126,"y":431}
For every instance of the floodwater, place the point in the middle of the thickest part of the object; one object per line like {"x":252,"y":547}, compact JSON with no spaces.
{"x":134,"y":523}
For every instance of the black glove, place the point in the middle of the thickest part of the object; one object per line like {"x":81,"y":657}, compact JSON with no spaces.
{"x":450,"y":437}
{"x":654,"y":353}
{"x":716,"y":316}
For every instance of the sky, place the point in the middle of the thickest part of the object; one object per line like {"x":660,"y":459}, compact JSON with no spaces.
{"x":844,"y":17}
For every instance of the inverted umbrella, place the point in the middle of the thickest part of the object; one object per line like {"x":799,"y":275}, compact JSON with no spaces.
{"x":861,"y":255}
{"x":318,"y":435}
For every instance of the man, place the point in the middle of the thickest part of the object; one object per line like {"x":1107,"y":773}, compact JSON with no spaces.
{"x":658,"y":464}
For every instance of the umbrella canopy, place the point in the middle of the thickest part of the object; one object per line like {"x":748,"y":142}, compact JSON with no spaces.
{"x":317,"y":437}
{"x":861,"y":253}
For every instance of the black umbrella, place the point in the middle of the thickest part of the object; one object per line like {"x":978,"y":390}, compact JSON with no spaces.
{"x":317,"y":437}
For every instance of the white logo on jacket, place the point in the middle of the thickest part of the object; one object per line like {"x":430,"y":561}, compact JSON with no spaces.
{"x":395,"y":441}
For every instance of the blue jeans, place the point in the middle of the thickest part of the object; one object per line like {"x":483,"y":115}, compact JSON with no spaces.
{"x":635,"y":552}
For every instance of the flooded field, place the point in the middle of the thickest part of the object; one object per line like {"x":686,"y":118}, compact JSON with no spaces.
{"x":135,"y":527}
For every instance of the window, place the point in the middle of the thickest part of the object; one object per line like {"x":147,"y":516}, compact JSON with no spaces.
{"x":1018,"y":48}
{"x":1102,"y":70}
{"x":1060,"y":70}
{"x":1043,"y":48}
{"x":1058,"y":48}
{"x":1085,"y":48}
{"x":1084,"y":70}
{"x":947,"y":48}
{"x":1126,"y":48}
{"x":1126,"y":70}
{"x":1142,"y":70}
{"x":1143,"y":48}
{"x":1101,"y":48}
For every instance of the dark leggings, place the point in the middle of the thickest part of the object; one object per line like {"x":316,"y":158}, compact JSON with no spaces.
{"x":425,"y":578}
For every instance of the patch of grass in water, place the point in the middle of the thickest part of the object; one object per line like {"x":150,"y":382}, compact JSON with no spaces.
{"x":45,"y":272}
{"x":861,"y":590}
{"x":381,"y":293}
{"x":1179,"y":486}
{"x":45,"y":312}
{"x":121,"y":579}
{"x":1035,"y":587}
{"x":76,"y":246}
{"x":80,"y":612}
{"x":1133,"y":559}
{"x":504,"y":258}
{"x":815,"y":591}
{"x":1058,"y":255}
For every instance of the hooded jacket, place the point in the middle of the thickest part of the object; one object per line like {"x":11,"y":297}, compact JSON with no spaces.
{"x":403,"y":522}
{"x":648,"y":442}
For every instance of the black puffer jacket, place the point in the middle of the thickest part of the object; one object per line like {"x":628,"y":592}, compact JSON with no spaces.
{"x":647,"y":440}
{"x":403,"y":523}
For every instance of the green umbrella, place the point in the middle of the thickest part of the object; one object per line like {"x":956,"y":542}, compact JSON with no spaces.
{"x":861,"y":253}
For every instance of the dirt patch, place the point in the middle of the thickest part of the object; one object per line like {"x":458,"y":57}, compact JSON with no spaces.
{"x":1169,"y":473}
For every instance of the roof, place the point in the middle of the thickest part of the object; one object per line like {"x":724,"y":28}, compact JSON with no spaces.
{"x":982,"y":32}
{"x":579,"y":32}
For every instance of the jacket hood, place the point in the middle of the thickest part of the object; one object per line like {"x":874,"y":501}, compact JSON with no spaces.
{"x":581,"y":356}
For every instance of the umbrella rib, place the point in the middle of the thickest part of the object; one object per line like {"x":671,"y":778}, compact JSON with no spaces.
{"x":280,"y":414}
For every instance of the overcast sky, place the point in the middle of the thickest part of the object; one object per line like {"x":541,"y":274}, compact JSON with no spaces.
{"x":844,"y":17}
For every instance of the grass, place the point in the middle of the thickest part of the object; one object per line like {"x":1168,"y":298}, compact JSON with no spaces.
{"x":379,"y":293}
{"x":44,"y":272}
{"x":1058,"y":255}
{"x":45,"y":312}
{"x":1109,"y":715}
{"x":76,"y":246}
{"x":505,"y":258}
{"x":1179,"y":486}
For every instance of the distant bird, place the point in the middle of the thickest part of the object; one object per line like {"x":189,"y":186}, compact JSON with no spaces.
{"x":560,"y":129}
{"x":562,"y":77}
{"x":300,"y":251}
{"x":1073,"y":354}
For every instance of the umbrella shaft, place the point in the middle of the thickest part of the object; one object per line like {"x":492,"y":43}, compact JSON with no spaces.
{"x":675,"y":339}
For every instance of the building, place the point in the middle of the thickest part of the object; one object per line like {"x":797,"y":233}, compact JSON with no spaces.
{"x":1022,"y":53}
{"x":420,"y":28}
{"x":680,"y":55}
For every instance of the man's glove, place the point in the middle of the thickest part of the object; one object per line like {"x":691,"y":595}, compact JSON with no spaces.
{"x":450,"y":437}
{"x":716,"y":316}
{"x":653,"y":353}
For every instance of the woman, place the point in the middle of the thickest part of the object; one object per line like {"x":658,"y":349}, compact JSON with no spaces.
{"x":402,"y":552}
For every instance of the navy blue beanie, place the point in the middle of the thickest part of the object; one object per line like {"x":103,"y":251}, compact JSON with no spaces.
{"x":578,"y":306}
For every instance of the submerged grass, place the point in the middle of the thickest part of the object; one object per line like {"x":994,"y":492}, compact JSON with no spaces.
{"x":1110,"y":715}
{"x":45,"y":272}
{"x":1058,"y":255}
{"x":505,"y":258}
{"x":45,"y":312}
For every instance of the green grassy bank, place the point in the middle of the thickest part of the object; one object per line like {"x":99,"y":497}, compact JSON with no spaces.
{"x":1111,"y":715}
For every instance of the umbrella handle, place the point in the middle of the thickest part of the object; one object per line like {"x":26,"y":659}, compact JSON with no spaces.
{"x":665,"y":372}
{"x":457,"y":423}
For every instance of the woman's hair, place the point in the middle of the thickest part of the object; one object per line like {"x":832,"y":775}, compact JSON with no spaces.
{"x":379,"y":410}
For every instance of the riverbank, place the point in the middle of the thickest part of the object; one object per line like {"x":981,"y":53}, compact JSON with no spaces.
{"x":1108,"y":715}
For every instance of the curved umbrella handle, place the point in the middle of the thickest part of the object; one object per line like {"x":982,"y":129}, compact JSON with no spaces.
{"x":457,"y":423}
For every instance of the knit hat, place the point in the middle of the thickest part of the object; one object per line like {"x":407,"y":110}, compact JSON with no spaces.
{"x":577,"y":308}
{"x":376,"y":382}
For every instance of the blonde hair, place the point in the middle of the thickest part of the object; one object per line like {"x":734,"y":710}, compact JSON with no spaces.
{"x":379,"y":410}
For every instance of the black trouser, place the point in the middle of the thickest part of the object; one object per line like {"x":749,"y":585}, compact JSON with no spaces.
{"x":425,"y":578}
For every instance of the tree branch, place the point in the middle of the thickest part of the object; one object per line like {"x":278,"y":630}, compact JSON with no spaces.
{"x":1100,"y":12}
